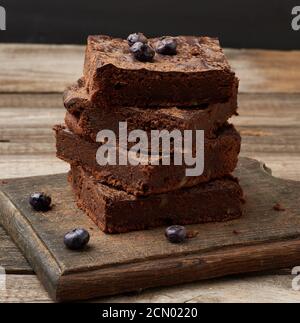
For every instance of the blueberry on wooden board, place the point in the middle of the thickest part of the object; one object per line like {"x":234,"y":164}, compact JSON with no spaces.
{"x":167,"y":46}
{"x":40,"y":201}
{"x":142,"y":52}
{"x":77,"y":239}
{"x":136,"y":37}
{"x":176,"y":233}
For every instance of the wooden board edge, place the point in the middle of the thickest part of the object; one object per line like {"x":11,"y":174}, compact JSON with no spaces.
{"x":173,"y":271}
{"x":28,"y":241}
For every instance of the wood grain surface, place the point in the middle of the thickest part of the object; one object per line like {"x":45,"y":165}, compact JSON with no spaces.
{"x":31,"y":82}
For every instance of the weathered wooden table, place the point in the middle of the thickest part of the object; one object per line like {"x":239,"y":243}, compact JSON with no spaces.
{"x":32,"y":78}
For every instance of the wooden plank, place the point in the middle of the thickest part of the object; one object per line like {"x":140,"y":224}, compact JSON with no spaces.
{"x":236,"y":289}
{"x":241,"y":289}
{"x":35,"y":118}
{"x":276,"y":109}
{"x":11,"y":258}
{"x":39,"y":68}
{"x":283,"y":166}
{"x":23,"y":288}
{"x":13,"y":166}
{"x":266,"y":71}
{"x":50,"y":68}
{"x":265,"y":239}
{"x":31,"y":100}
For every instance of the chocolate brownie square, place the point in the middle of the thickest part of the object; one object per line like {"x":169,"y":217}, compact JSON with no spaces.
{"x":115,"y":211}
{"x":198,"y":74}
{"x":87,"y":119}
{"x":220,"y":159}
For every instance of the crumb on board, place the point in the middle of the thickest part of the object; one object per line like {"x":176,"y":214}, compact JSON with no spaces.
{"x":192,"y":234}
{"x":235,"y":232}
{"x":3,"y":182}
{"x":278,"y":207}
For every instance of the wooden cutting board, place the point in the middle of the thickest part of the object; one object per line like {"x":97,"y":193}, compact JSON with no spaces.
{"x":264,"y":238}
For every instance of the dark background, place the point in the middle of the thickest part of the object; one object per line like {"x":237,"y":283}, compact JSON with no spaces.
{"x":238,"y":23}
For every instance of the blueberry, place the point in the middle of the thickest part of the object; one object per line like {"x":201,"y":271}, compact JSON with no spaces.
{"x":76,"y":239}
{"x":40,"y":201}
{"x":142,"y":52}
{"x":167,"y":46}
{"x":136,"y":37}
{"x":176,"y":233}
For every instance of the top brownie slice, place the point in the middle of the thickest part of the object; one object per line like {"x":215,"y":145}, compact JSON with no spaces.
{"x":198,"y":74}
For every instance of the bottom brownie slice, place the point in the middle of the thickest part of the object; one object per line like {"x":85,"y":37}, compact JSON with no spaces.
{"x":115,"y":211}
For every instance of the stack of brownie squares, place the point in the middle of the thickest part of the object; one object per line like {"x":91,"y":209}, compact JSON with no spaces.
{"x":182,"y":83}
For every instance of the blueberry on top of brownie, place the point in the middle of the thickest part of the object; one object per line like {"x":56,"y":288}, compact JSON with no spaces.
{"x":135,"y":38}
{"x":142,"y":52}
{"x":167,"y":46}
